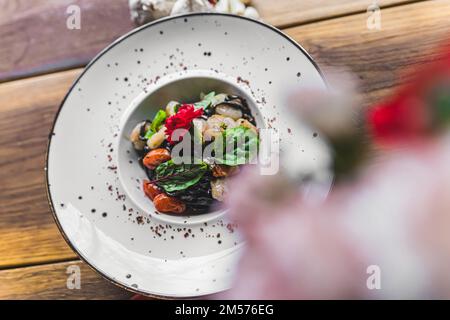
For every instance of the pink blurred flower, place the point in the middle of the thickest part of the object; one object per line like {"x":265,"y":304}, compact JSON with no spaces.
{"x":395,"y":217}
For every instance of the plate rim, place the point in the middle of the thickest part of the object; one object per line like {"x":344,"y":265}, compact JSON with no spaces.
{"x":79,"y":77}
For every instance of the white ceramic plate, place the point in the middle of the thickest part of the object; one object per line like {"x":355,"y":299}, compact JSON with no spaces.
{"x":94,"y":179}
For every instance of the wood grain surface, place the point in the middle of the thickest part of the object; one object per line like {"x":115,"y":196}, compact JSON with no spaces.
{"x":286,"y":13}
{"x":384,"y":59}
{"x":28,"y":235}
{"x":50,"y":282}
{"x":34,"y":38}
{"x":27,"y":231}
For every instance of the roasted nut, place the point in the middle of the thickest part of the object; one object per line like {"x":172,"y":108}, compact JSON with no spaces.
{"x":220,"y":171}
{"x":155,"y":157}
{"x":166,"y":204}
{"x":151,"y":190}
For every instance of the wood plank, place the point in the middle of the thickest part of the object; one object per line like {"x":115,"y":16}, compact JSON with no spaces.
{"x":287,"y":13}
{"x":28,"y":233}
{"x":35,"y":39}
{"x":381,"y":60}
{"x":408,"y":35}
{"x":50,"y":282}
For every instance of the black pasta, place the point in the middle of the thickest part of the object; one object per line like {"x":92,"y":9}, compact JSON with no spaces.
{"x":170,"y":185}
{"x":198,"y":197}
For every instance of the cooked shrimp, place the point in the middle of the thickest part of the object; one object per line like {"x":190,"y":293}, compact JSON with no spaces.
{"x":219,"y":189}
{"x":157,"y":139}
{"x":228,"y":111}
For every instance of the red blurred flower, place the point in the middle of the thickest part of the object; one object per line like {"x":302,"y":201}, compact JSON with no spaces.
{"x":413,"y":113}
{"x":181,"y":120}
{"x":401,"y":119}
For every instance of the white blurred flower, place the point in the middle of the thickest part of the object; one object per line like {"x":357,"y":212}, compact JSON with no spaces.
{"x":395,"y":215}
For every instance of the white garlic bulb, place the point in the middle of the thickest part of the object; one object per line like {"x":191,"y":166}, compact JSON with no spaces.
{"x":223,"y":6}
{"x":143,"y":11}
{"x":250,"y":12}
{"x":187,"y":6}
{"x":237,"y":7}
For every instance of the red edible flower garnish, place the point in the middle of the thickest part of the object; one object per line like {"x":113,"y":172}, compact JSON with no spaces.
{"x":181,"y":120}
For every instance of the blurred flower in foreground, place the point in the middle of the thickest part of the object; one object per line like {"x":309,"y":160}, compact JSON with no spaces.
{"x":339,"y":117}
{"x":393,"y":214}
{"x":418,"y":110}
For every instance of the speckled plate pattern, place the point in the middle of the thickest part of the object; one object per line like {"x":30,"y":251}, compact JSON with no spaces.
{"x":132,"y":247}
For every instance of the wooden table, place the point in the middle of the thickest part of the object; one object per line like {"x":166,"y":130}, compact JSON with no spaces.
{"x":40,"y":57}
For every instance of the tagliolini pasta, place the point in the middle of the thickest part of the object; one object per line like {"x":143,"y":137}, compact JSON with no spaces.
{"x":190,"y":150}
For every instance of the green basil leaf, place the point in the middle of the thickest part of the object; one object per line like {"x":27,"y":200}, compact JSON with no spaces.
{"x":239,"y":146}
{"x":174,"y":177}
{"x":206,"y":101}
{"x":158,"y":120}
